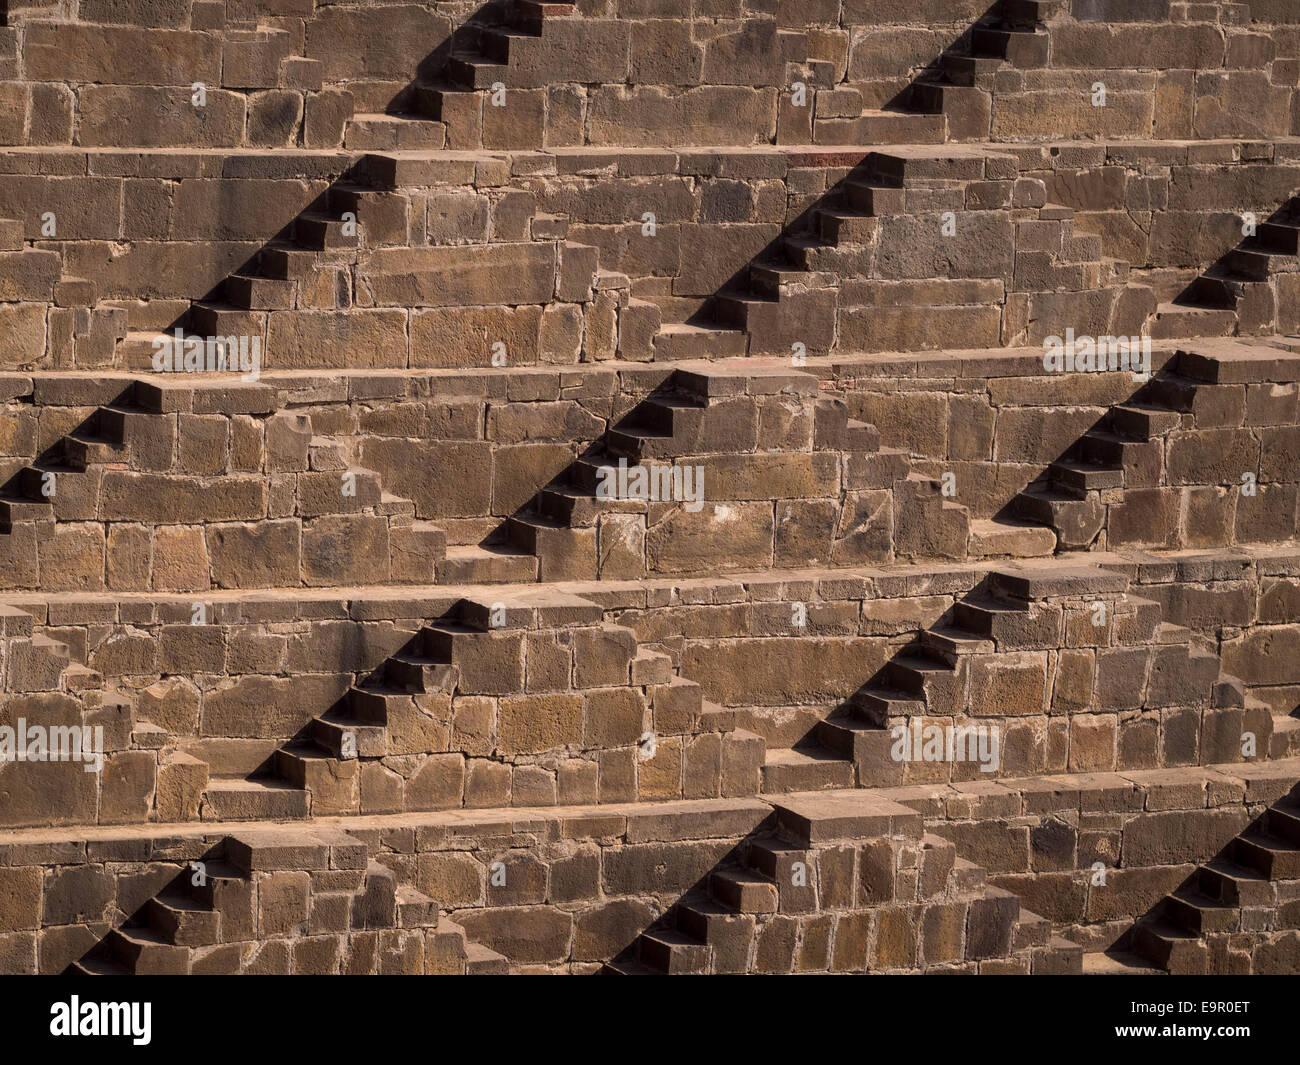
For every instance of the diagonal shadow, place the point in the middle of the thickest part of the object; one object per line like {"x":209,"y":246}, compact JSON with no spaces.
{"x":935,"y":71}
{"x":403,"y":102}
{"x":1143,"y":396}
{"x":1127,"y":940}
{"x":1222,"y":284}
{"x":339,"y":710}
{"x":138,"y":919}
{"x":20,"y":486}
{"x":804,"y":225}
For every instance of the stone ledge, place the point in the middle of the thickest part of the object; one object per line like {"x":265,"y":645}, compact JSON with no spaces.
{"x":1132,"y":791}
{"x":639,"y":822}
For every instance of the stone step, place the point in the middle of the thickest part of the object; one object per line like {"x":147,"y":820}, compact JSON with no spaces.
{"x":1058,"y":957}
{"x":848,"y":736}
{"x":418,"y":673}
{"x":742,"y":309}
{"x":1143,"y":422}
{"x":727,"y":931}
{"x":816,"y":256}
{"x":367,"y":705}
{"x":673,"y":952}
{"x":1029,"y":13}
{"x":1032,"y":930}
{"x":968,"y":70}
{"x":639,"y":442}
{"x":1199,"y":913}
{"x":922,"y":676}
{"x":531,"y":16}
{"x":383,"y":132}
{"x":1277,"y":859}
{"x":880,"y":702}
{"x":82,"y":449}
{"x":322,"y":232}
{"x":681,"y":342}
{"x":144,"y":952}
{"x":17,"y":510}
{"x":850,"y":227}
{"x":744,"y":891}
{"x":1176,"y":321}
{"x":488,"y":564}
{"x":1282,"y":237}
{"x":477,"y":71}
{"x":671,"y":414}
{"x":107,"y":966}
{"x":1218,"y":287}
{"x":219,"y":318}
{"x":1079,"y":478}
{"x":1099,"y":447}
{"x":854,"y":814}
{"x":562,"y":552}
{"x":218,"y":876}
{"x":948,"y":643}
{"x":1259,"y":264}
{"x":1173,"y":949}
{"x":259,"y":293}
{"x":1224,"y":880}
{"x":804,"y":769}
{"x":1023,"y":49}
{"x":483,"y":961}
{"x":1286,"y":738}
{"x":1282,"y":821}
{"x":1075,"y":521}
{"x":285,"y":260}
{"x":874,"y":200}
{"x":182,"y":920}
{"x":301,"y":765}
{"x":236,"y":799}
{"x":993,"y":538}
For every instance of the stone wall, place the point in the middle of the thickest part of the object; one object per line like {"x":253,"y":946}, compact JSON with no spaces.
{"x":617,"y":73}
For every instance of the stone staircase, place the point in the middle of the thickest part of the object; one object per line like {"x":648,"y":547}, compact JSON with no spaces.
{"x":1221,"y":919}
{"x":452,"y":112}
{"x":1120,"y":482}
{"x":1235,"y":296}
{"x":979,"y":666}
{"x":957,"y":85}
{"x":137,"y":459}
{"x":804,"y":895}
{"x":387,"y":746}
{"x":817,"y":287}
{"x":711,"y":417}
{"x":233,"y":911}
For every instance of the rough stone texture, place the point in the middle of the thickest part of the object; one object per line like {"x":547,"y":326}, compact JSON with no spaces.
{"x":897,"y":646}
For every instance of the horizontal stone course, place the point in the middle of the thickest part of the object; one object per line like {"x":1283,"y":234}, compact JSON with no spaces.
{"x":364,"y":635}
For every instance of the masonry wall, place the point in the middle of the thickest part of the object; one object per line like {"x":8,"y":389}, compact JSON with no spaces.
{"x":716,"y":74}
{"x":1003,"y":420}
{"x":1094,"y":857}
{"x":135,"y":226}
{"x":230,"y":692}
